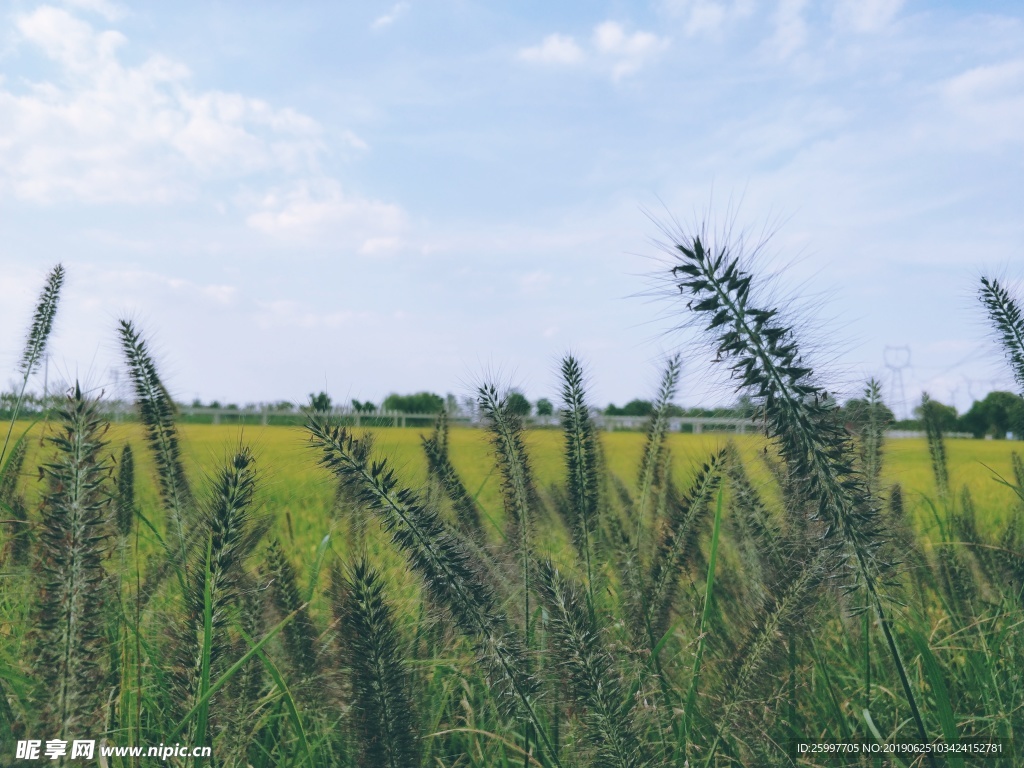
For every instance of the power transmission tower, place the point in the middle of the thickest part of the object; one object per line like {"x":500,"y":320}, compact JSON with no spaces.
{"x":896,"y":360}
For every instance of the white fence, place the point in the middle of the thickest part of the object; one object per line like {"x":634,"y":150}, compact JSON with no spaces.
{"x":696,"y":424}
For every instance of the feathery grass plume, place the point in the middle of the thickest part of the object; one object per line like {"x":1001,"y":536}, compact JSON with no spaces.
{"x":579,"y":649}
{"x":381,"y":712}
{"x":1008,"y":323}
{"x":125,"y":506}
{"x":300,"y":635}
{"x":957,"y":582}
{"x":763,"y":654}
{"x":654,"y":445}
{"x":1010,"y":555}
{"x":467,"y":513}
{"x":896,"y":510}
{"x":757,"y":535}
{"x":799,"y":416}
{"x":247,"y":686}
{"x":454,"y":578}
{"x":12,"y":506}
{"x":517,"y":488}
{"x":873,"y":436}
{"x":70,"y":608}
{"x":903,"y":541}
{"x":35,"y":345}
{"x":580,"y":462}
{"x":157,"y":412}
{"x":677,"y":542}
{"x":936,"y":446}
{"x":228,"y":534}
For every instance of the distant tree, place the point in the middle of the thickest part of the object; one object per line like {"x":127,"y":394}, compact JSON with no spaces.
{"x":632,"y":408}
{"x":997,"y":414}
{"x":451,"y":404}
{"x":544,"y":407}
{"x":320,"y":402}
{"x":857,"y":411}
{"x":944,"y":415}
{"x":366,"y":407}
{"x":517,"y":404}
{"x":421,"y":402}
{"x":638,"y":408}
{"x":214,"y":404}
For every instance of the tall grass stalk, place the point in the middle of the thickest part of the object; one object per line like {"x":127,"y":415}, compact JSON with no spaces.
{"x":766,"y":360}
{"x":654,"y":445}
{"x":382,"y":712}
{"x":453,"y":577}
{"x":1008,"y":324}
{"x":579,"y":648}
{"x":157,"y":411}
{"x":581,"y":464}
{"x":69,"y":611}
{"x":35,"y":345}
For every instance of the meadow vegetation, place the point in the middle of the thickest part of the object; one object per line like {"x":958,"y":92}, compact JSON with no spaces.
{"x":453,"y":597}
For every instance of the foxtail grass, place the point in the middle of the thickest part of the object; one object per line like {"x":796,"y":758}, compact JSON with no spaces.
{"x":157,"y":411}
{"x":216,"y":575}
{"x":581,"y":464}
{"x":300,"y":636}
{"x":35,"y":344}
{"x":579,"y":650}
{"x":1008,"y":323}
{"x":12,"y":507}
{"x":765,"y":360}
{"x":125,"y":504}
{"x":453,"y":576}
{"x":69,"y":610}
{"x":382,"y":713}
{"x":654,"y":444}
{"x":435,"y":447}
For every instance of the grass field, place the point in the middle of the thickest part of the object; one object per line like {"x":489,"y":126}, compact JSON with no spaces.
{"x":292,"y":486}
{"x":461,"y":598}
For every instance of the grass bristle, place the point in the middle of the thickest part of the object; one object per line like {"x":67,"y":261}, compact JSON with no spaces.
{"x":382,"y":712}
{"x":71,"y":547}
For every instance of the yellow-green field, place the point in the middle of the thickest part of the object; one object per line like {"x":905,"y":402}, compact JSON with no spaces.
{"x":298,"y":494}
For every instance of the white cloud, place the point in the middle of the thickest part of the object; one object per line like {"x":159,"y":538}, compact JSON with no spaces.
{"x":866,"y":15}
{"x":702,"y":17}
{"x":988,"y":103}
{"x":397,"y":10}
{"x":109,"y":11}
{"x":790,"y":28}
{"x":611,"y":49}
{"x":629,"y":52}
{"x":105,"y":131}
{"x":554,"y":49}
{"x":310,"y":210}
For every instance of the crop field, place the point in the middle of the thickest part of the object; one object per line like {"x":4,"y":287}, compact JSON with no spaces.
{"x":293,"y":488}
{"x":320,"y":596}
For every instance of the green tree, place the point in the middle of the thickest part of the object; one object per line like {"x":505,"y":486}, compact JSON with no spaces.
{"x":544,"y":407}
{"x":944,"y":415}
{"x":421,"y":402}
{"x":320,"y":402}
{"x":517,"y":404}
{"x":857,"y":412}
{"x":997,"y":414}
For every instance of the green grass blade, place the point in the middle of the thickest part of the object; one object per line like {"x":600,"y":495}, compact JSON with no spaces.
{"x":226,"y":677}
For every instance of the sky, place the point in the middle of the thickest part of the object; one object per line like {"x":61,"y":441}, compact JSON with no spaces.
{"x":377,"y":197}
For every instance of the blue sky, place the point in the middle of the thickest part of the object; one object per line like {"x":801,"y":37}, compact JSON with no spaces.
{"x":378,"y":197}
